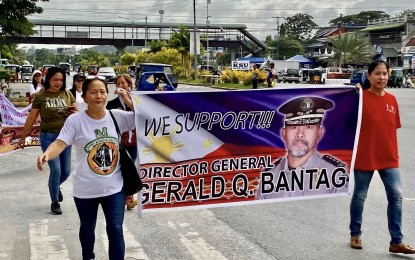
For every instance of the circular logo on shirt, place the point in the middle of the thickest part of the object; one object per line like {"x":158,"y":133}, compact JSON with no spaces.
{"x":103,"y":155}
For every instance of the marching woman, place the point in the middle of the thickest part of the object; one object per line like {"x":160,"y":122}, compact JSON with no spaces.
{"x":76,"y":91}
{"x":54,"y":105}
{"x":37,"y":84}
{"x":97,"y":176}
{"x":377,"y":150}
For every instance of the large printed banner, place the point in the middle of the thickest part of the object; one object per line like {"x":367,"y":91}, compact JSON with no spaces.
{"x":11,"y":127}
{"x":209,"y":149}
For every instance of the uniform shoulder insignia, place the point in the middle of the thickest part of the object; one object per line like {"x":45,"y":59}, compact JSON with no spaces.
{"x":330,"y":159}
{"x":278,"y":161}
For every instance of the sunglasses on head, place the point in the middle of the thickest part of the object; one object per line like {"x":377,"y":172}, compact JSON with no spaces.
{"x":95,"y":77}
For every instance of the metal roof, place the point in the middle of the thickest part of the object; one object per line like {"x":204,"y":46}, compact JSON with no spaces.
{"x":382,"y":27}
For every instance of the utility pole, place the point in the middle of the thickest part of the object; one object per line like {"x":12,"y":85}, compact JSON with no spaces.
{"x":161,"y":12}
{"x":145,"y":33}
{"x":278,"y":34}
{"x":194,"y":39}
{"x":207,"y":32}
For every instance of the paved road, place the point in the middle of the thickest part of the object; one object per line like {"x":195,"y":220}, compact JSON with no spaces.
{"x":307,"y":229}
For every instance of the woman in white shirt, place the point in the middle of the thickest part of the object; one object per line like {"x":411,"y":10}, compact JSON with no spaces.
{"x":37,"y":83}
{"x":76,"y":91}
{"x":97,"y":176}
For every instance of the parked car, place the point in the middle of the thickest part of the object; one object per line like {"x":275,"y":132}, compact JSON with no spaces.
{"x":156,"y":67}
{"x":92,"y":70}
{"x":108,"y":73}
{"x":153,"y":80}
{"x":66,"y":67}
{"x":358,"y":76}
{"x":27,"y":71}
{"x":288,"y":75}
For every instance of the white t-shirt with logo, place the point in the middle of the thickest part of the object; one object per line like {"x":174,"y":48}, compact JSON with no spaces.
{"x":97,"y":172}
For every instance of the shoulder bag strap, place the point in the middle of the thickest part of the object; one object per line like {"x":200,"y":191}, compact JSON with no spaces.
{"x":115,"y":123}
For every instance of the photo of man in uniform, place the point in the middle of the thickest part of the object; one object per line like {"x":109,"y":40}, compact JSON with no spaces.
{"x":303,"y":171}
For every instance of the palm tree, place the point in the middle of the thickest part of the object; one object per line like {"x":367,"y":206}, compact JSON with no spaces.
{"x":180,"y":40}
{"x":350,"y":48}
{"x":156,"y":45}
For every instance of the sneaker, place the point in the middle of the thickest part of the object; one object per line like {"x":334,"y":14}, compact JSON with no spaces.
{"x":132,"y":204}
{"x":356,"y":242}
{"x":401,"y":248}
{"x":55,"y":208}
{"x":60,"y":196}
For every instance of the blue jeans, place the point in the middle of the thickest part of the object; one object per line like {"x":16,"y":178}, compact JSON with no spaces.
{"x":113,"y":207}
{"x":392,"y":182}
{"x":60,"y":167}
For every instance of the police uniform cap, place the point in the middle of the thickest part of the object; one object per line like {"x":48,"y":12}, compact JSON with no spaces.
{"x":305,"y":110}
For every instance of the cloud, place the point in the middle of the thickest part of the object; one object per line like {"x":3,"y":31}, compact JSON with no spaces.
{"x":256,"y":15}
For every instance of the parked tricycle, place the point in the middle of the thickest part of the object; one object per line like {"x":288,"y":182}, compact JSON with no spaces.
{"x":27,"y":71}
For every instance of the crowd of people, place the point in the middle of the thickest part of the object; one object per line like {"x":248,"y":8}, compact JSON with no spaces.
{"x":80,"y":117}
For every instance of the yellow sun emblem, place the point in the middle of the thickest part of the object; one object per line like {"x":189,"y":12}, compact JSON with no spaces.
{"x":137,"y":100}
{"x":162,"y":147}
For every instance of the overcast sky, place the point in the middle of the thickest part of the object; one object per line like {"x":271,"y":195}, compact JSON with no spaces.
{"x":257,"y":15}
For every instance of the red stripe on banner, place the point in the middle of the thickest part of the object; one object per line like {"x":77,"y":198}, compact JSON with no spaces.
{"x":195,"y":185}
{"x":10,"y":136}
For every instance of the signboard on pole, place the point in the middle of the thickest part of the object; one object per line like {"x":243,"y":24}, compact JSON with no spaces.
{"x":240,"y":65}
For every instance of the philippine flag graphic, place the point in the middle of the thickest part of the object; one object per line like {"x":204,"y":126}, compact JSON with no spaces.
{"x":166,"y":141}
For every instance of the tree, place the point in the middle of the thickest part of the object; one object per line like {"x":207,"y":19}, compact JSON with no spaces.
{"x":287,"y":47}
{"x":181,"y":42}
{"x":10,"y":52}
{"x":224,"y":59}
{"x":127,"y":58}
{"x":91,"y":57}
{"x":156,"y":45}
{"x":299,"y":26}
{"x":360,"y":18}
{"x":408,"y":12}
{"x":13,"y":19}
{"x":350,"y":48}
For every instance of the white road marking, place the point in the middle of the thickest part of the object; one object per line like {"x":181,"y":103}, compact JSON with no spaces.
{"x":196,"y":245}
{"x":43,"y":246}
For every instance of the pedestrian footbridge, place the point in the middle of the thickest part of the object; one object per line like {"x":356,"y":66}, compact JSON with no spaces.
{"x":121,"y":34}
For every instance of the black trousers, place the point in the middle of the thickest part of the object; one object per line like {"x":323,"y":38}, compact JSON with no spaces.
{"x":254,"y":83}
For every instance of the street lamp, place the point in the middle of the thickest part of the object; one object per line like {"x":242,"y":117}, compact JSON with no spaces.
{"x":132,"y":30}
